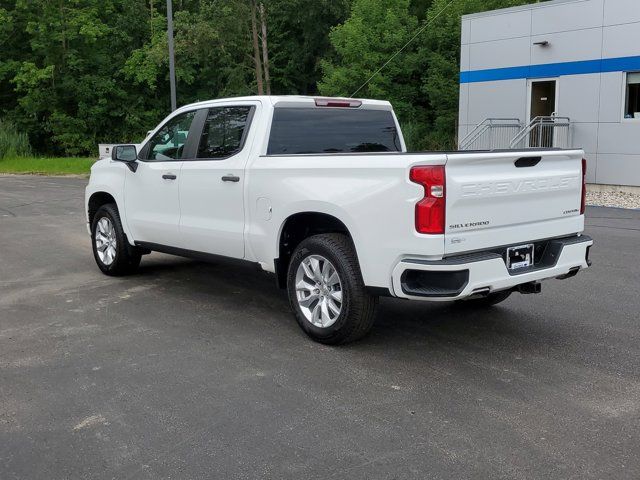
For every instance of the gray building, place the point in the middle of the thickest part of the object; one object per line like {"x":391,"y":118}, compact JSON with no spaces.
{"x":563,"y":73}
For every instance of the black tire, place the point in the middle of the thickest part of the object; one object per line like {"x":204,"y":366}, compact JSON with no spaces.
{"x":488,"y":301}
{"x":127,"y":258}
{"x":357,"y":308}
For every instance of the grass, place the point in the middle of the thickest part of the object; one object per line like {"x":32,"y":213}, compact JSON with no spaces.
{"x":12,"y":142}
{"x":46,"y":166}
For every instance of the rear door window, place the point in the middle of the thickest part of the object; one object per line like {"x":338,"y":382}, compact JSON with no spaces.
{"x":224,"y":132}
{"x":332,"y":130}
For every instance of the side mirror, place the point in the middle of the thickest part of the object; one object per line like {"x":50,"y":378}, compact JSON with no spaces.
{"x":127,"y":154}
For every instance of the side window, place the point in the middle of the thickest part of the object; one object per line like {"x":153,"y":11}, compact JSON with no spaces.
{"x":224,"y":132}
{"x":632,"y":104}
{"x":168,"y":142}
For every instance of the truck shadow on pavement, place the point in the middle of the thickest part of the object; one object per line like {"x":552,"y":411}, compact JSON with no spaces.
{"x":248,"y":294}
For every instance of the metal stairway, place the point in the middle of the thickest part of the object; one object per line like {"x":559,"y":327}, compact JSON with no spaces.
{"x":544,"y":132}
{"x":504,"y":133}
{"x":491,"y":134}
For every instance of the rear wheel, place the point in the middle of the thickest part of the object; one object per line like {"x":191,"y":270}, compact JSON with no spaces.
{"x":111,"y":249}
{"x":326,"y":290}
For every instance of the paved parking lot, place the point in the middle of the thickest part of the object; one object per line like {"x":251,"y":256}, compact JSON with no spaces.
{"x":193,"y":370}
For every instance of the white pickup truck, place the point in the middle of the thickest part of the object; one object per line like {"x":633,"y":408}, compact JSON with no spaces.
{"x":322,"y":193}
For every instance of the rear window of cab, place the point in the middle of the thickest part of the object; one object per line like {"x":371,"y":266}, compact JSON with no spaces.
{"x":332,"y":130}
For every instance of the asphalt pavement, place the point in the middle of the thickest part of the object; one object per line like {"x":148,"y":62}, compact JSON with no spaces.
{"x":192,"y":370}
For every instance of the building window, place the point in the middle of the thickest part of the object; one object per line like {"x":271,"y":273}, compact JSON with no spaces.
{"x":632,"y":103}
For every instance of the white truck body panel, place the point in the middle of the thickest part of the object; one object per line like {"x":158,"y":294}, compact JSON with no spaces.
{"x":152,"y":204}
{"x":490,"y":202}
{"x":376,"y":203}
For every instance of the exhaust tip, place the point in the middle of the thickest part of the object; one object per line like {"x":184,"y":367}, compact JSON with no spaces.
{"x":572,"y":273}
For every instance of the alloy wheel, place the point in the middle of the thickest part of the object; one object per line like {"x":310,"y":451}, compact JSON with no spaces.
{"x":319,"y":291}
{"x":105,"y":239}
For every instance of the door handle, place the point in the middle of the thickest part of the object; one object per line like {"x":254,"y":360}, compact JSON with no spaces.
{"x":169,"y":176}
{"x":230,"y":178}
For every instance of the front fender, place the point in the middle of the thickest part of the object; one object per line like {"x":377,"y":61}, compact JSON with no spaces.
{"x":108,"y":177}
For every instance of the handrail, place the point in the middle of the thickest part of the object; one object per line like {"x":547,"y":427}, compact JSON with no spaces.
{"x":544,"y":131}
{"x":486,"y":128}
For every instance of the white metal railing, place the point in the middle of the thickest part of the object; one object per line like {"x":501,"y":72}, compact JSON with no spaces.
{"x":491,"y":134}
{"x":544,"y":132}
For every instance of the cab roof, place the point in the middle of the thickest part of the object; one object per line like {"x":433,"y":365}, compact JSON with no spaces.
{"x":291,"y":100}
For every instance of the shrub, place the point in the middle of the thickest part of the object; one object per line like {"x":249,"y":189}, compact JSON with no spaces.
{"x":12,"y":142}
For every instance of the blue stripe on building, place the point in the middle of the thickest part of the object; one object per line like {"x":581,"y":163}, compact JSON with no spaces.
{"x":620,"y":64}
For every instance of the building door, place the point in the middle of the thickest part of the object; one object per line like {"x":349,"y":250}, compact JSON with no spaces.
{"x":543,"y":104}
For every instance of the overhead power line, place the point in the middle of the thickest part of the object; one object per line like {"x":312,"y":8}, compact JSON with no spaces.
{"x":403,"y":47}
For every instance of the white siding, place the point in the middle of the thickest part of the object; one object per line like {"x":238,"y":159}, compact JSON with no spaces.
{"x":563,"y":17}
{"x":464,"y":105}
{"x":499,"y":27}
{"x":464,"y":58}
{"x":592,"y":167}
{"x":611,"y":97}
{"x":618,"y":169}
{"x":506,"y":99}
{"x":578,"y":97}
{"x":585,"y":136}
{"x":621,"y":40}
{"x":566,"y":46}
{"x":513,"y":52}
{"x":622,"y":138}
{"x":466,"y":32}
{"x":617,"y":12}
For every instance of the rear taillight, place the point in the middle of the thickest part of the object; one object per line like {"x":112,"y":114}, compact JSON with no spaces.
{"x":583,"y":201}
{"x":430,"y":211}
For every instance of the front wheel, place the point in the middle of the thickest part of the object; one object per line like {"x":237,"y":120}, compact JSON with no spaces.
{"x":111,"y":249}
{"x":326,"y":290}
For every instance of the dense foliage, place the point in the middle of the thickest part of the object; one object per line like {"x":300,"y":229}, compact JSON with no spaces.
{"x":13,"y":143}
{"x":74,"y":73}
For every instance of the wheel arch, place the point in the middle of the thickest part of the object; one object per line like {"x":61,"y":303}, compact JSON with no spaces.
{"x":97,"y":200}
{"x":296,"y":228}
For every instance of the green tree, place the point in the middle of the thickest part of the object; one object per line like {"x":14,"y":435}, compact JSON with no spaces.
{"x":440,"y":48}
{"x":213,"y":52}
{"x":375,"y":31}
{"x":422,"y":81}
{"x":65,"y":77}
{"x":299,"y":39}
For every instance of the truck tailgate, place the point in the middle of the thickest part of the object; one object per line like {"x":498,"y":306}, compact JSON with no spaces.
{"x":503,"y":198}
